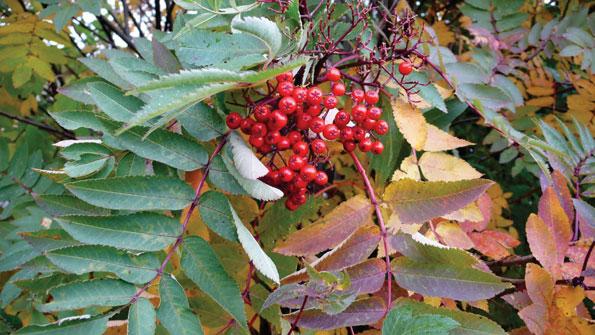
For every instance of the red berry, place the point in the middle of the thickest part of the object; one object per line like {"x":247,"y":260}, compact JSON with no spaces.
{"x":303,"y":121}
{"x":258,"y":130}
{"x":301,"y":183}
{"x":358,"y":113}
{"x":314,"y":110}
{"x":272,"y":137}
{"x":341,"y":119}
{"x":349,"y":146}
{"x":287,"y":105}
{"x":299,"y":94}
{"x":294,"y":136}
{"x":338,"y":89}
{"x":256,"y":141}
{"x":317,"y":125}
{"x":314,"y":95}
{"x":330,"y":102}
{"x":275,"y":177}
{"x":357,"y":95}
{"x":381,"y":127}
{"x":347,"y":134}
{"x":299,"y":198}
{"x":377,"y":147}
{"x":246,"y":125}
{"x":262,"y":113}
{"x":371,"y":97}
{"x":359,"y":133}
{"x":287,"y":76}
{"x":233,"y":120}
{"x":369,"y":124}
{"x":365,"y":145}
{"x":265,"y":148}
{"x":333,"y":74}
{"x":331,"y":132}
{"x":290,"y":205}
{"x":318,"y":147}
{"x":308,"y":172}
{"x":285,"y":88}
{"x":296,"y":162}
{"x":277,"y":120}
{"x":283,"y":143}
{"x":374,"y":113}
{"x":286,"y":174}
{"x":321,"y":178}
{"x":300,"y":148}
{"x":405,"y":68}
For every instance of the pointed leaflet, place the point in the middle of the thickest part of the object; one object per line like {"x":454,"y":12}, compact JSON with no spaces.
{"x":248,"y":165}
{"x":411,"y":123}
{"x":94,"y":326}
{"x":262,"y":28}
{"x":201,"y":265}
{"x":256,"y":188}
{"x":98,"y":292}
{"x":140,"y":231}
{"x":362,"y":312}
{"x":92,"y":258}
{"x":65,"y":205}
{"x":542,"y":244}
{"x":418,"y":201}
{"x":134,"y":193}
{"x":329,"y":231}
{"x":141,"y":318}
{"x":438,"y":166}
{"x":468,"y":323}
{"x":400,"y":320}
{"x":540,"y":287}
{"x":113,"y":102}
{"x":554,"y":216}
{"x":441,"y":272}
{"x":439,"y":140}
{"x":174,"y":312}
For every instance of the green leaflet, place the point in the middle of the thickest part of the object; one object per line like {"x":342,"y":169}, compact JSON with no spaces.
{"x":174,"y":312}
{"x":400,"y":320}
{"x":141,"y":318}
{"x":93,"y":326}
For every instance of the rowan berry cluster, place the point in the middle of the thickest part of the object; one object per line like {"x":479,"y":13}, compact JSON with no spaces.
{"x":296,"y":125}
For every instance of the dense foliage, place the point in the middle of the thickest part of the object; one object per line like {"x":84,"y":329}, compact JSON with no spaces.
{"x":297,"y":166}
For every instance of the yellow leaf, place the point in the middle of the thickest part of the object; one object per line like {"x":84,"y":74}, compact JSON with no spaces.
{"x":42,"y":68}
{"x":408,"y":169}
{"x":411,"y":123}
{"x":445,"y":36}
{"x":438,"y":140}
{"x":470,"y":212}
{"x":453,"y":235}
{"x":21,"y":75}
{"x":442,"y":166}
{"x":540,"y":91}
{"x":541,"y":102}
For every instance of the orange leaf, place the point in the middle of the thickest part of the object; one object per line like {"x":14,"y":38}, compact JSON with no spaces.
{"x":553,"y":215}
{"x":542,"y":244}
{"x":493,"y":243}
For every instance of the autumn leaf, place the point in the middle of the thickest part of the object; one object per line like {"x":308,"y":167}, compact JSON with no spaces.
{"x":439,"y":166}
{"x":411,"y":123}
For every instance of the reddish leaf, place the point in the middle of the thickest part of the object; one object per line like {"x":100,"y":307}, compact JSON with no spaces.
{"x":361,"y":312}
{"x":561,"y":189}
{"x":493,"y":243}
{"x":368,"y":276}
{"x":540,"y":287}
{"x":484,"y":202}
{"x":542,"y":245}
{"x":329,"y":231}
{"x":553,"y":215}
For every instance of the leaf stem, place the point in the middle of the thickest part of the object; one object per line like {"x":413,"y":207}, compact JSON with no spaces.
{"x":298,"y":316}
{"x":372,"y":195}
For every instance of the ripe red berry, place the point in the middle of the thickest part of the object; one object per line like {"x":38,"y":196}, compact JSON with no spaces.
{"x":359,"y":133}
{"x":341,"y":119}
{"x":321,"y":178}
{"x":294,"y":136}
{"x":303,"y":121}
{"x":277,"y":120}
{"x":300,"y":182}
{"x":381,"y":127}
{"x":290,"y":205}
{"x":318,"y":147}
{"x":275,"y":177}
{"x":357,"y":95}
{"x":338,"y":89}
{"x":286,"y":174}
{"x":314,"y":95}
{"x":359,"y":113}
{"x":377,"y":147}
{"x":365,"y":145}
{"x":287,"y":76}
{"x":369,"y":124}
{"x":256,"y":141}
{"x":371,"y":97}
{"x":308,"y":172}
{"x":299,"y":94}
{"x":258,"y":130}
{"x":246,"y":125}
{"x":283,"y":143}
{"x":314,"y":110}
{"x":330,"y":101}
{"x":405,"y":68}
{"x":349,"y":146}
{"x":300,"y":148}
{"x":262,"y":113}
{"x":265,"y":148}
{"x":374,"y":113}
{"x":333,"y":74}
{"x":331,"y":132}
{"x":299,"y":198}
{"x":233,"y":120}
{"x":272,"y":137}
{"x":287,"y":105}
{"x":347,"y":134}
{"x":285,"y":88}
{"x":317,"y":125}
{"x":296,"y":162}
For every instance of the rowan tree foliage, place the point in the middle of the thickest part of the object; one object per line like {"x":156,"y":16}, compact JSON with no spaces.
{"x":297,"y":167}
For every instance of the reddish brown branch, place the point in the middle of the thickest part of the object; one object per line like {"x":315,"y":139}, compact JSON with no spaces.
{"x":298,"y":316}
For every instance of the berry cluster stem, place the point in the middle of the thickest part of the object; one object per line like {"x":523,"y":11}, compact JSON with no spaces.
{"x":384,"y":236}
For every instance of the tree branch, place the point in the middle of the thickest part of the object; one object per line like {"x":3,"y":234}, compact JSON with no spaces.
{"x":42,"y":126}
{"x":112,"y":27}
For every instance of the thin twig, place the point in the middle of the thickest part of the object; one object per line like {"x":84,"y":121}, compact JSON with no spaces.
{"x":61,"y":133}
{"x":298,"y":316}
